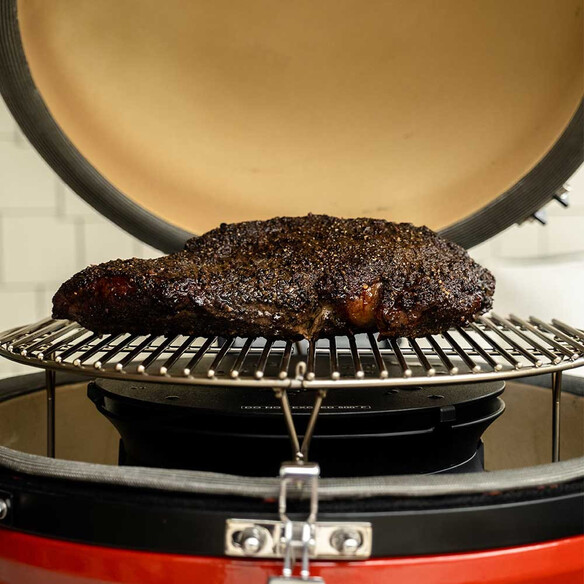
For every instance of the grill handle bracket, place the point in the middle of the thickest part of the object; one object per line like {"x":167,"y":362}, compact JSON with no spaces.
{"x":291,"y":539}
{"x":298,"y":536}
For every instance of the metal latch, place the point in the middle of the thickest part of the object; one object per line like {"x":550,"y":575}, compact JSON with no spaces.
{"x":292,"y":540}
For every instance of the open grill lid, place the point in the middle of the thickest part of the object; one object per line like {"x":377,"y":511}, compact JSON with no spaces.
{"x":172,"y":117}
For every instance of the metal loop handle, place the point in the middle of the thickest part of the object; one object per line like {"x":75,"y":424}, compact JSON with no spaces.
{"x":298,"y":535}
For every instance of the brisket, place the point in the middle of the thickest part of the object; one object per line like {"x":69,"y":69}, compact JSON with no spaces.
{"x":288,"y":277}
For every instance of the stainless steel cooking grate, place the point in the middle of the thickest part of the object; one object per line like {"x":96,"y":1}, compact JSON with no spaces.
{"x":492,"y":347}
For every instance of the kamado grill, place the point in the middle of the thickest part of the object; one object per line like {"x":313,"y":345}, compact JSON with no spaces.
{"x":166,"y":456}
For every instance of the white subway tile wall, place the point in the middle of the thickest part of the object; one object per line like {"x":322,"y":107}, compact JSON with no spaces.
{"x":47,"y":233}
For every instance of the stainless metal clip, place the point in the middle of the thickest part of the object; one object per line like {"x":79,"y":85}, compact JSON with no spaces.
{"x":298,"y":536}
{"x":292,"y":539}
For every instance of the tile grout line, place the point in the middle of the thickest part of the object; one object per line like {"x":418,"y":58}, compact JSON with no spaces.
{"x":59,"y":190}
{"x":80,"y":244}
{"x":23,"y":287}
{"x":542,"y":241}
{"x":39,"y":297}
{"x":137,"y":248}
{"x":29,"y":212}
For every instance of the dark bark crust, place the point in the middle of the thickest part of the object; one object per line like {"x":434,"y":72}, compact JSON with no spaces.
{"x":288,"y":277}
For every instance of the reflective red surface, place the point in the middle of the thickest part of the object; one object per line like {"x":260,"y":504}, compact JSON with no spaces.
{"x":27,"y":559}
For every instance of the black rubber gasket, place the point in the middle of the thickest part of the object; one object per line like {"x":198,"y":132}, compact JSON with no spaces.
{"x":17,"y":87}
{"x":195,"y":524}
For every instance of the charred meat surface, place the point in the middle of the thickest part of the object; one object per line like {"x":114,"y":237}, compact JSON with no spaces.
{"x":288,"y":277}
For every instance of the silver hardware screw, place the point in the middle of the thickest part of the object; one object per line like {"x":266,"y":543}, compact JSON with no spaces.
{"x":251,"y":545}
{"x":251,"y":540}
{"x":3,"y":509}
{"x":346,"y":542}
{"x":350,"y":546}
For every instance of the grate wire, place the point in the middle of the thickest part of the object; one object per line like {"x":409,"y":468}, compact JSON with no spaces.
{"x":491,"y":347}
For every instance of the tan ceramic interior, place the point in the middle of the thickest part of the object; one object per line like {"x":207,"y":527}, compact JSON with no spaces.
{"x":519,"y":438}
{"x":206,"y":111}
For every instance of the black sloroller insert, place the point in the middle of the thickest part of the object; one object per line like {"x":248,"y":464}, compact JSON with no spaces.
{"x":380,"y":431}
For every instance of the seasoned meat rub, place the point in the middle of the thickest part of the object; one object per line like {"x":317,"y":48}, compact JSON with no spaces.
{"x":288,"y":277}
